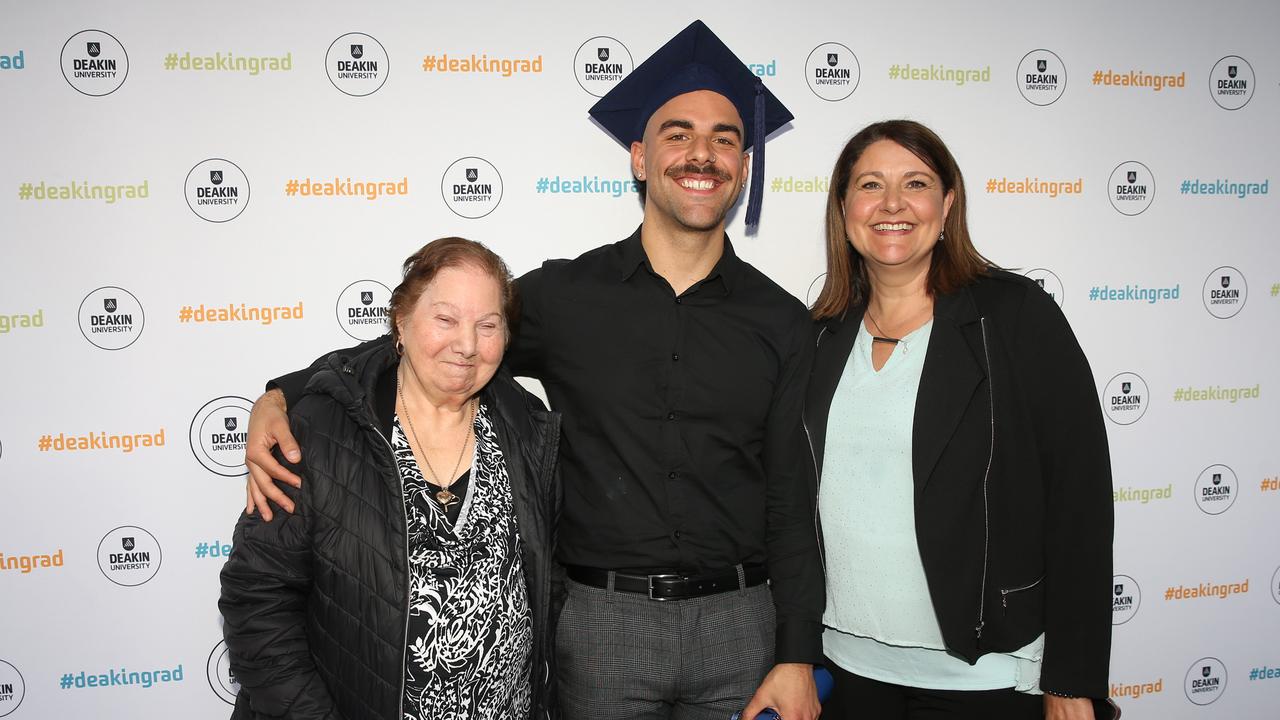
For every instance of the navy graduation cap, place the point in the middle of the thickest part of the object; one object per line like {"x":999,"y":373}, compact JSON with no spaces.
{"x":695,"y":59}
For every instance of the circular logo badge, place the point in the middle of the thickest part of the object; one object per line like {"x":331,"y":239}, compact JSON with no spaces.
{"x":1125,"y":398}
{"x":218,"y":435}
{"x":357,"y":64}
{"x":129,"y":556}
{"x":1048,"y":282}
{"x":1132,"y":188}
{"x":815,"y":288}
{"x":1225,"y":292}
{"x":1231,"y":82}
{"x":832,"y":71}
{"x":111,"y":318}
{"x":12,"y":688}
{"x":472,"y":187}
{"x":217,"y":190}
{"x":1125,"y":600}
{"x":94,"y":62}
{"x":1216,"y":489}
{"x":1275,"y":586}
{"x":1041,"y":77}
{"x":1206,"y":681}
{"x":362,"y":309}
{"x":601,"y":63}
{"x":218,"y":668}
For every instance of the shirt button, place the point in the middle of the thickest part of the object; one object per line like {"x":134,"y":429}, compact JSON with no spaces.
{"x":671,"y":416}
{"x":673,"y":475}
{"x":675,"y":357}
{"x":676,"y":535}
{"x":679,"y":301}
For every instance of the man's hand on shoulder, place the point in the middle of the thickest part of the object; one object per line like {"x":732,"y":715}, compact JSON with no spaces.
{"x":269,"y":427}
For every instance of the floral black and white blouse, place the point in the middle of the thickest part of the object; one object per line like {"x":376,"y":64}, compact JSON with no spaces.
{"x":469,"y":630}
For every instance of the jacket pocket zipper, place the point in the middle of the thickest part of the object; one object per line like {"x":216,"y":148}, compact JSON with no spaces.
{"x":1004,"y":594}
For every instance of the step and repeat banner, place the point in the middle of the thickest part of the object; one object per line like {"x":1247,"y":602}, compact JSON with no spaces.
{"x":197,"y":197}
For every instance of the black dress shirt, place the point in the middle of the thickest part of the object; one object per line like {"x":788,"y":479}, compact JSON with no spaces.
{"x":683,"y":446}
{"x":683,"y":443}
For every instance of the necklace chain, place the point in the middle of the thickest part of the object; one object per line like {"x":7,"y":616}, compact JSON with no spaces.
{"x":881,"y":337}
{"x":443,"y":496}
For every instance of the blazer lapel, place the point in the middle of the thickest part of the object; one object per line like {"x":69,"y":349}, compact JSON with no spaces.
{"x":953,"y":369}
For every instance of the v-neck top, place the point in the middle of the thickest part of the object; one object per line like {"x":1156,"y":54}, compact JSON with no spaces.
{"x":875,"y":580}
{"x":879,"y":615}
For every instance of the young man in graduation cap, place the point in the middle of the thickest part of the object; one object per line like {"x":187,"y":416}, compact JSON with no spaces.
{"x":688,"y":531}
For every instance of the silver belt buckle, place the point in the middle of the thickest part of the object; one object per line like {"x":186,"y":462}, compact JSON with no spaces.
{"x":659,"y":577}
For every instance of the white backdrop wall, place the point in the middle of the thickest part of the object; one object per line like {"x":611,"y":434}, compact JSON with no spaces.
{"x":109,"y":572}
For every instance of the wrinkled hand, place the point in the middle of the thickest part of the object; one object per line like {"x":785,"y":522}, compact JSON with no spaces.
{"x":789,"y":690}
{"x":1060,"y":708}
{"x":268,"y":427}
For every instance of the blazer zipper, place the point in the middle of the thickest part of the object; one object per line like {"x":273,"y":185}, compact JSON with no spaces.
{"x":986,"y":475}
{"x":1004,"y":594}
{"x":822,"y":553}
{"x":817,"y":476}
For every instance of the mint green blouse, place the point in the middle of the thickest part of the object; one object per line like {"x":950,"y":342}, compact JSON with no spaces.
{"x":879,"y":617}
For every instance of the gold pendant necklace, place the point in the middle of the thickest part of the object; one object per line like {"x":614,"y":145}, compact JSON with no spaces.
{"x":443,"y":496}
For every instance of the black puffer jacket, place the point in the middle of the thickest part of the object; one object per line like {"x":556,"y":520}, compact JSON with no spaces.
{"x":315,"y":602}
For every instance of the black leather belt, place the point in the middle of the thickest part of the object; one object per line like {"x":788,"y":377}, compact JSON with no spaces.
{"x":670,"y":586}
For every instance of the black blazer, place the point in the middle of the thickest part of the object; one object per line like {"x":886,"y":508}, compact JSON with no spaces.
{"x":1012,"y":477}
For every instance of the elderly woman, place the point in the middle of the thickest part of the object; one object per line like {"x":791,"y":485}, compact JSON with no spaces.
{"x":414,"y":579}
{"x":965,"y":496}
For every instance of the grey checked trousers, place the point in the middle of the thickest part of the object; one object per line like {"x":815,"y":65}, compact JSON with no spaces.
{"x":624,"y":656}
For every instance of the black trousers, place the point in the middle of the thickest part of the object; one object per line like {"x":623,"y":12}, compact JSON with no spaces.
{"x":857,"y":698}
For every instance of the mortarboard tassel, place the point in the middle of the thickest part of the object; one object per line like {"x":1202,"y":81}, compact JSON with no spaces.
{"x":757,"y":158}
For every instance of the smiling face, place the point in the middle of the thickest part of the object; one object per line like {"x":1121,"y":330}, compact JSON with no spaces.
{"x":692,"y":161}
{"x":894,"y":209}
{"x":455,"y":336}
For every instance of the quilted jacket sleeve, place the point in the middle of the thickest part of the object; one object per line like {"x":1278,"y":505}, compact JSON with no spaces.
{"x":265,"y":584}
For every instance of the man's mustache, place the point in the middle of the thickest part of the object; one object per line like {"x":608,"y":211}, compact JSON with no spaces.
{"x":708,"y":170}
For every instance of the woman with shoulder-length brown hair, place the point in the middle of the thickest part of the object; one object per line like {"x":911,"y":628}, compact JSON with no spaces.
{"x":965,"y":495}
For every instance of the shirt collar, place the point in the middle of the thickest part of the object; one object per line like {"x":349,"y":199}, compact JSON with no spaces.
{"x":631,"y":256}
